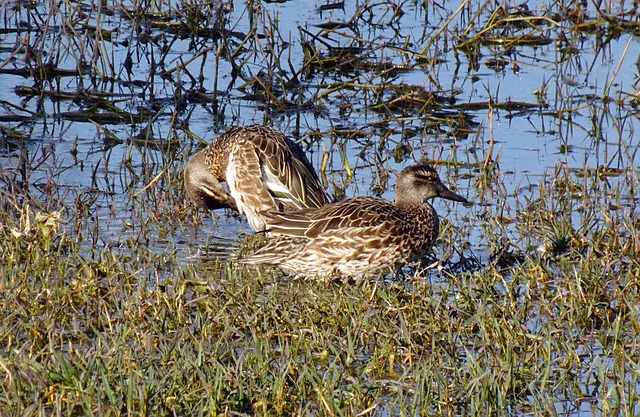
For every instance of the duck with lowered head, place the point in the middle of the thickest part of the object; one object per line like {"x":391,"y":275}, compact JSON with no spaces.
{"x":263,"y":169}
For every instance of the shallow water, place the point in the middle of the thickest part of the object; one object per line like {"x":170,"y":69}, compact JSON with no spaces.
{"x":77,"y":158}
{"x":565,"y":123}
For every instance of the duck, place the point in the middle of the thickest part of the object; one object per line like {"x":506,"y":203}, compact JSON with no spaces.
{"x":357,"y":237}
{"x":264,"y":171}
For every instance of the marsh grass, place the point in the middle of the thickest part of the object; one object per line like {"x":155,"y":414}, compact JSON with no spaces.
{"x":95,"y":333}
{"x":126,"y":329}
{"x":107,"y":308}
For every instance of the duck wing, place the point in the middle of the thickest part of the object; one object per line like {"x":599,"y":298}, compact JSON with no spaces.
{"x":345,"y":217}
{"x":286,"y":171}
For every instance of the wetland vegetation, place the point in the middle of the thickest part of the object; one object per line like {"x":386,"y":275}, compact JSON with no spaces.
{"x":118,"y":297}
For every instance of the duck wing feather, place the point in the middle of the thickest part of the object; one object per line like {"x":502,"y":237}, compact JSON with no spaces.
{"x":352,"y":214}
{"x":287,"y":171}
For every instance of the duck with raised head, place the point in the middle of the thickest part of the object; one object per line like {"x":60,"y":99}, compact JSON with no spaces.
{"x":359,"y":236}
{"x":264,"y":171}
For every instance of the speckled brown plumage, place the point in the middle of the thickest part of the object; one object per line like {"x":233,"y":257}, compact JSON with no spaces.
{"x":264,"y":171}
{"x":358,"y":236}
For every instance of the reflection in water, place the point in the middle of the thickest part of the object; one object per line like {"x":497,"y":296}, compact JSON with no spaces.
{"x":216,"y":250}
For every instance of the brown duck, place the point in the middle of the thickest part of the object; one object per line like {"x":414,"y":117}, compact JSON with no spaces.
{"x":263,"y":169}
{"x":360,"y":236}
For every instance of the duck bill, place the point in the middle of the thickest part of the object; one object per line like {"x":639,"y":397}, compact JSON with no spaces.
{"x":444,"y":192}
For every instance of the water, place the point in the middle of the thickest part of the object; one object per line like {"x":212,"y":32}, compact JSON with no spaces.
{"x":564,"y":80}
{"x":580,"y":88}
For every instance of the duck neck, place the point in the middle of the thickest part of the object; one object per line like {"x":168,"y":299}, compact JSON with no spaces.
{"x":413,"y":206}
{"x":404,"y":199}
